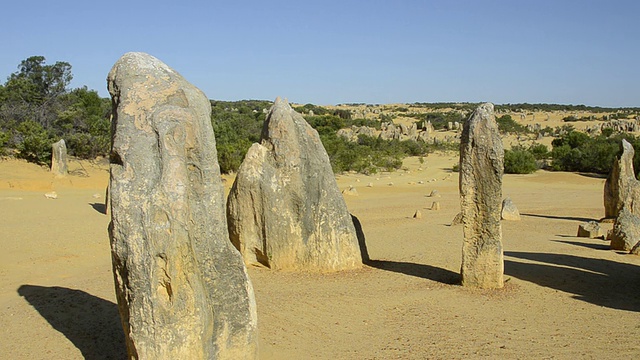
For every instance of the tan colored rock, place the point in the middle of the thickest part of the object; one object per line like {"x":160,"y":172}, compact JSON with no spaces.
{"x":435,"y":206}
{"x":434,"y":193}
{"x":417,"y":215}
{"x":621,"y":187}
{"x":351,"y":191}
{"x":481,"y":168}
{"x":626,"y":231}
{"x":590,"y":229}
{"x":182,"y":289}
{"x":457,"y":220}
{"x":509,"y":210}
{"x":51,"y":195}
{"x":285,"y":210}
{"x":59,"y":162}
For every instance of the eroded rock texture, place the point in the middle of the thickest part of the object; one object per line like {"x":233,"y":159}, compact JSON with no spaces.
{"x":285,"y":210}
{"x":59,"y":161}
{"x":622,"y":188}
{"x":626,"y":231}
{"x":481,"y":169}
{"x":183,"y":290}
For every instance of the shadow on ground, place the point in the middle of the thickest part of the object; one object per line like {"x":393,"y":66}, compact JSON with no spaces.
{"x":597,"y":281}
{"x":418,"y":270}
{"x":92,"y":324}
{"x":99,"y":207}
{"x":602,"y":246}
{"x":555,"y":217}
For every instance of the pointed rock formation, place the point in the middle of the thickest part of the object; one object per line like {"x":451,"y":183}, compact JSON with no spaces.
{"x":182,"y":289}
{"x":285,"y":210}
{"x":481,"y":168}
{"x":622,"y":188}
{"x":59,"y":165}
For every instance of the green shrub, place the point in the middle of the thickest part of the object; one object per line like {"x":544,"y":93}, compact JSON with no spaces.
{"x":35,"y":144}
{"x":539,"y":151}
{"x":519,"y":161}
{"x":506,"y":124}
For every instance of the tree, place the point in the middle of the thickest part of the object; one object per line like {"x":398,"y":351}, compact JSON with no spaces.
{"x":32,"y":93}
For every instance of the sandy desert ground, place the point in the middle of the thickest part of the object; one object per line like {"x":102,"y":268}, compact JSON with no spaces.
{"x":565,"y":297}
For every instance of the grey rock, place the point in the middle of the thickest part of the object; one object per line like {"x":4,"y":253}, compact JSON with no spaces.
{"x":285,"y":210}
{"x":621,"y":187}
{"x":481,"y":168}
{"x":626,"y":231}
{"x":183,"y":291}
{"x":59,"y":162}
{"x":509,"y":210}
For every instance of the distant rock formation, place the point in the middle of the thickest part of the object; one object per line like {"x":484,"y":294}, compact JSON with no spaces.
{"x":182,"y":289}
{"x":285,"y":210}
{"x":481,"y":169}
{"x":59,"y":165}
{"x":621,"y":187}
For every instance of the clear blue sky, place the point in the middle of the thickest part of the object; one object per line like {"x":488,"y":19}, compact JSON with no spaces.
{"x":330,"y":52}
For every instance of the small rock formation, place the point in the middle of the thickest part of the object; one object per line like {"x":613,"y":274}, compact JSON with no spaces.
{"x":350,"y":191}
{"x":622,"y":188}
{"x":285,"y":210}
{"x":457,"y":220}
{"x":370,"y":185}
{"x":435,"y":206}
{"x":434,"y":193}
{"x":51,"y":195}
{"x":59,"y":159}
{"x":182,"y":289}
{"x":590,"y":229}
{"x":417,"y":215}
{"x":481,"y":168}
{"x":626,"y":231}
{"x":636,"y":249}
{"x":509,"y":210}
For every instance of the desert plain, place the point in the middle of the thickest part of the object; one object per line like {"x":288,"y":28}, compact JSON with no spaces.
{"x":564,"y":298}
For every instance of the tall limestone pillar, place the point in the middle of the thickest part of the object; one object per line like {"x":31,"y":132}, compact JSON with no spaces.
{"x":182,"y":288}
{"x":481,"y":169}
{"x":59,"y":165}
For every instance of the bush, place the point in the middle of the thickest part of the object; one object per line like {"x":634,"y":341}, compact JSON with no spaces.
{"x":35,"y":144}
{"x":506,"y":124}
{"x":519,"y":161}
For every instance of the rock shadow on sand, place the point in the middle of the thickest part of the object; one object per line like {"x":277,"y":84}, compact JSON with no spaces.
{"x":597,"y":281}
{"x":556,"y":217}
{"x":92,"y":324}
{"x":99,"y":207}
{"x":428,"y":272}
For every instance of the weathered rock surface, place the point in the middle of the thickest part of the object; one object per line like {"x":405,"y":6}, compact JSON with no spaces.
{"x":417,"y":215}
{"x":509,"y":210}
{"x":182,"y":289}
{"x":621,"y":187}
{"x":285,"y":210}
{"x":59,"y":160}
{"x":626,"y":231}
{"x":457,"y":220}
{"x":481,"y":168}
{"x":590,"y":229}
